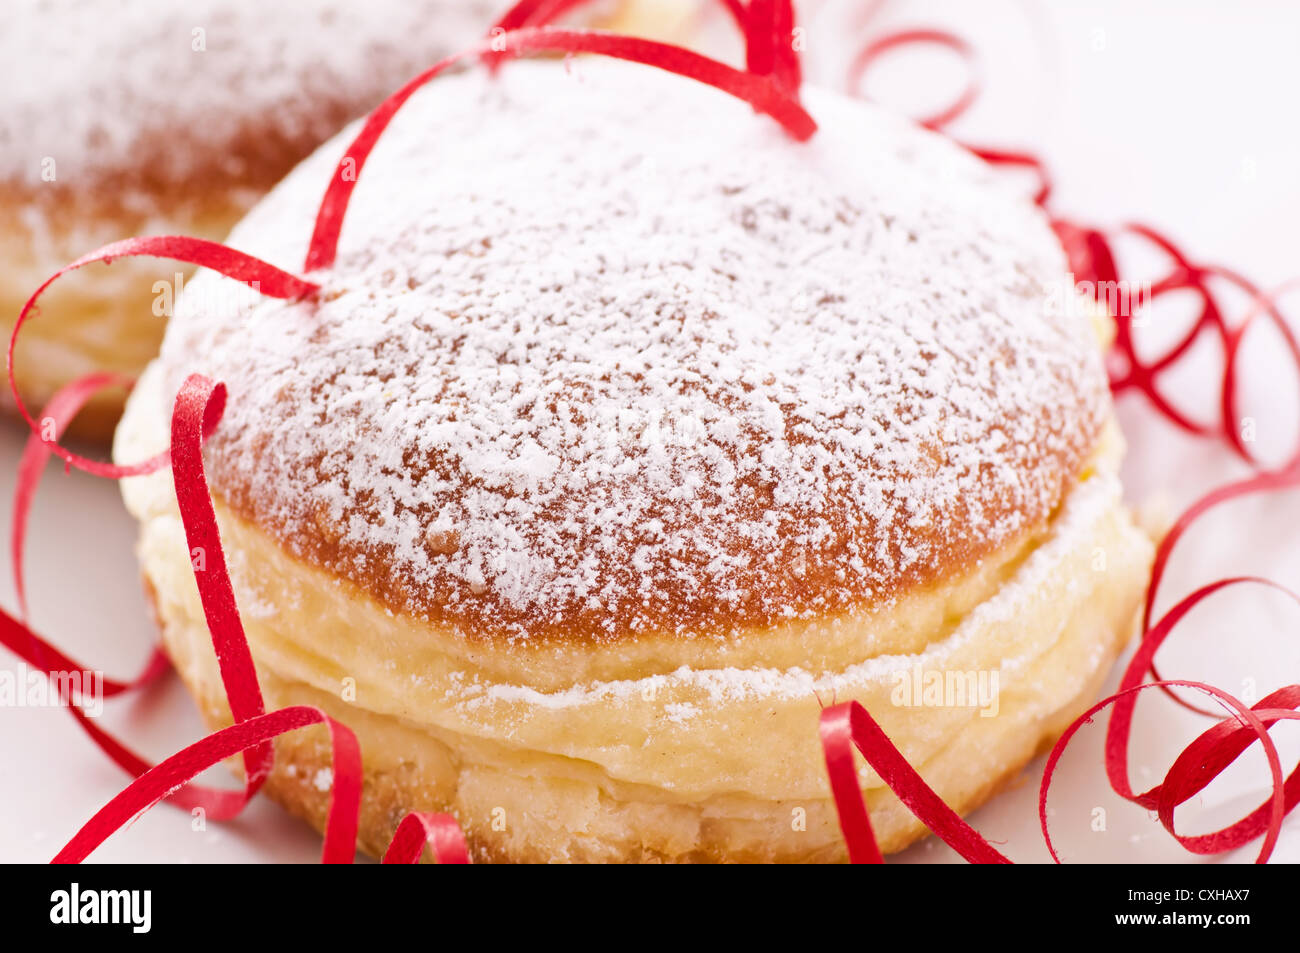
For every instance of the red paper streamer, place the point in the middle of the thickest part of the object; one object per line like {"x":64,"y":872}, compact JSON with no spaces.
{"x":1022,"y":160}
{"x":20,"y":639}
{"x":873,"y":51}
{"x":526,"y":13}
{"x":339,"y":847}
{"x":762,"y":93}
{"x":61,"y":409}
{"x":769,"y":43}
{"x":197,"y":412}
{"x":1260,"y":483}
{"x":1285,"y":477}
{"x":439,"y":831}
{"x":1120,"y":727}
{"x":255,"y":734}
{"x":199,"y":405}
{"x":902,"y":39}
{"x":1221,"y":840}
{"x":1198,"y":764}
{"x":1263,"y":305}
{"x":264,"y":277}
{"x":1210,"y":754}
{"x":851,"y":724}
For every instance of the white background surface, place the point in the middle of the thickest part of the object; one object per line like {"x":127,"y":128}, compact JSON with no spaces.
{"x":1180,"y":114}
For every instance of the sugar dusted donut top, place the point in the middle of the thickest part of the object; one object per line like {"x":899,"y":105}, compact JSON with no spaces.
{"x":230,"y":92}
{"x":604,"y":353}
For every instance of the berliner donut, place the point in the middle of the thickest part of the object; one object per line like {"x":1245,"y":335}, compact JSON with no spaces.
{"x":624,"y":434}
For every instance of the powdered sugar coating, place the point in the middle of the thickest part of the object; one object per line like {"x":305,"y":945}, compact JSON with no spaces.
{"x":158,"y":91}
{"x":604,"y":354}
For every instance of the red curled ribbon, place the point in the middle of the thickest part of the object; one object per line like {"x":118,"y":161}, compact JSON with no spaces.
{"x":1175,"y":782}
{"x":439,"y":831}
{"x":765,"y":95}
{"x":849,"y":725}
{"x":870,"y":54}
{"x":15,"y":633}
{"x":1092,"y":259}
{"x":254,"y":734}
{"x":19,"y":638}
{"x":534,"y":13}
{"x":1262,"y":305}
{"x":196,"y":414}
{"x":769,"y":43}
{"x":873,"y":51}
{"x":1022,"y":160}
{"x":264,"y":277}
{"x":199,"y":405}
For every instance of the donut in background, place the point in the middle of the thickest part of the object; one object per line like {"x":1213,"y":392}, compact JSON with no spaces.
{"x":152,"y":117}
